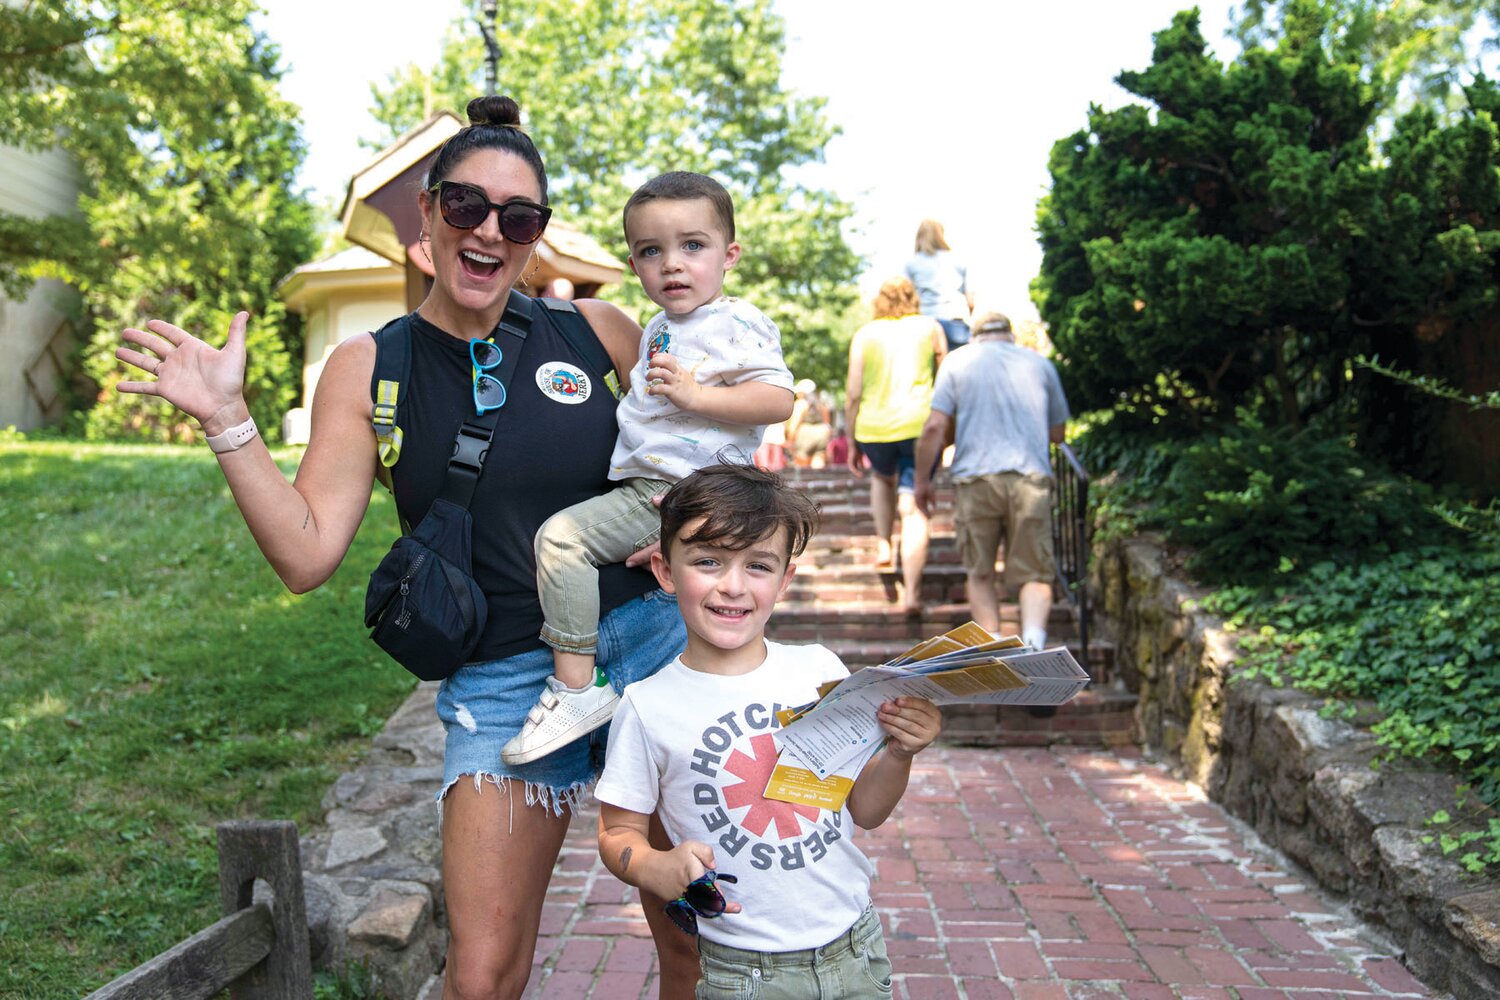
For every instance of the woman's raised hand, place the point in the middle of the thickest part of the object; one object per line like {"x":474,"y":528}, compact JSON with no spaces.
{"x":200,"y":381}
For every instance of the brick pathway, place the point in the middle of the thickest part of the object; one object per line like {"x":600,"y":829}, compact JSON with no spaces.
{"x":1035,"y":874}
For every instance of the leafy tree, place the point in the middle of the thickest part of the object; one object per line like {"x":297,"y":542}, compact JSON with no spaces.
{"x":187,"y":157}
{"x":1415,"y":47}
{"x":618,"y":90}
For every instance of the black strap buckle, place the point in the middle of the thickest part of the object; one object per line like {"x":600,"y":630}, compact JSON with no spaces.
{"x":470,"y":447}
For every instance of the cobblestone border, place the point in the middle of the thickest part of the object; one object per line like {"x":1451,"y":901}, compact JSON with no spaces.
{"x":1303,"y":782}
{"x":372,"y":874}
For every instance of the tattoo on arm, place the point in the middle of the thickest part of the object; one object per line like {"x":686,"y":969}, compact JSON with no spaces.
{"x":625,"y":859}
{"x":306,"y":518}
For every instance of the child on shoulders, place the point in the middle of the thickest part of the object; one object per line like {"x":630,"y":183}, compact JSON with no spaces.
{"x":709,"y":379}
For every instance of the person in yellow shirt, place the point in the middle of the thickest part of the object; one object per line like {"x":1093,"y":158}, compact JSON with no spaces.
{"x":893,"y":360}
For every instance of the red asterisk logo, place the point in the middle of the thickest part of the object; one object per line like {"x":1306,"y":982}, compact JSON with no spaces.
{"x":753,"y":773}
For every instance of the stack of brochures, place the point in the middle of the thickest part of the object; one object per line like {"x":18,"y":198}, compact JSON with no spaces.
{"x":824,"y":746}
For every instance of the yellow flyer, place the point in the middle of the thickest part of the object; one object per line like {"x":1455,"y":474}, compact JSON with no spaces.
{"x":800,"y":786}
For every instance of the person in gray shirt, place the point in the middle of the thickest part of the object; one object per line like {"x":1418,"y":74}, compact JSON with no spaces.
{"x":1007,"y":404}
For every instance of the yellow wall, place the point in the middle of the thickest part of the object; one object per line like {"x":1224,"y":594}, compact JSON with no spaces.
{"x":338,"y":305}
{"x":344,"y":314}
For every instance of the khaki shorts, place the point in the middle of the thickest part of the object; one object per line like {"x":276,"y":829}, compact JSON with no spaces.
{"x":810,"y":440}
{"x":1010,"y":507}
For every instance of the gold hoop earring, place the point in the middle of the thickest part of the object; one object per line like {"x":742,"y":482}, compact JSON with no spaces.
{"x":422,"y":242}
{"x":536,"y":262}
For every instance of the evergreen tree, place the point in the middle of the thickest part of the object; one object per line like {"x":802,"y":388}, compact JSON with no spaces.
{"x":1238,"y":239}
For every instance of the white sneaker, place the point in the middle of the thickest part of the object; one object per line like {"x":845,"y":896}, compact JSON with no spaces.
{"x":558,"y":718}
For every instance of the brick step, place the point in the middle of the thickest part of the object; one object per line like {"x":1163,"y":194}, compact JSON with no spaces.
{"x":832,"y":505}
{"x":867,"y":651}
{"x":797,"y":622}
{"x":943,"y":496}
{"x":814,"y":481}
{"x":858,"y":653}
{"x":940,"y":552}
{"x":864,"y":571}
{"x":857,"y":502}
{"x":864,"y":539}
{"x":860,"y":522}
{"x":864,"y":639}
{"x":941,"y":584}
{"x":1099,"y":716}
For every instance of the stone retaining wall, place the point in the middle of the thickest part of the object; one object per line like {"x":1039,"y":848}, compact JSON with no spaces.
{"x":372,"y":875}
{"x":1303,"y":782}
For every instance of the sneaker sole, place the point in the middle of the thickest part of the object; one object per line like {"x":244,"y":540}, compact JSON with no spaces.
{"x":588,"y":725}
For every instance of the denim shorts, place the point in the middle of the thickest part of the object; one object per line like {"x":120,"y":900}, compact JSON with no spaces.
{"x":955,"y":331}
{"x":484,"y":704}
{"x":852,"y":965}
{"x":898,"y":459}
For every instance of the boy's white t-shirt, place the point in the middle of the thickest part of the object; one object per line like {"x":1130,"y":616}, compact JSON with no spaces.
{"x":725,"y":342}
{"x":697,"y":749}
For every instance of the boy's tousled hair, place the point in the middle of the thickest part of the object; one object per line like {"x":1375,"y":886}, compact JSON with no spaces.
{"x":682,"y":185}
{"x":741,"y":505}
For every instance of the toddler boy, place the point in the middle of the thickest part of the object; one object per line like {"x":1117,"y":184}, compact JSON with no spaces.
{"x":709,"y":379}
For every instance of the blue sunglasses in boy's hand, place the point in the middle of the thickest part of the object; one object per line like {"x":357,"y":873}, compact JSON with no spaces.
{"x":701,"y":898}
{"x":489,"y":392}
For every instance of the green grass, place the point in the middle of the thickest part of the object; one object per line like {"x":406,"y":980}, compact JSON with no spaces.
{"x":155,"y":679}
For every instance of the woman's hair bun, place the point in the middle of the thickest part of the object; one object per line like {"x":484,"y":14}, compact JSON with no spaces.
{"x":493,"y":110}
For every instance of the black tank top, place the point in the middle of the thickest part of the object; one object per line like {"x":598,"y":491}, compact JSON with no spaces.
{"x":546,"y":455}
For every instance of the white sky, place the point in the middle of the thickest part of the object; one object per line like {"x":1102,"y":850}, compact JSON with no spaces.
{"x":949,"y":108}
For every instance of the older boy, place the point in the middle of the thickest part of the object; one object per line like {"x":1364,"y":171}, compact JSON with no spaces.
{"x":693,"y":744}
{"x":710,"y":378}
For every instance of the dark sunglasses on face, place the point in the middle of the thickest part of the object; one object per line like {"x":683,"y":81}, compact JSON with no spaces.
{"x":701,"y":898}
{"x":489,"y":392}
{"x":464,"y":206}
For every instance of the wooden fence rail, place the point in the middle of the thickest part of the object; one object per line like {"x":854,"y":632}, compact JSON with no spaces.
{"x":259,"y":951}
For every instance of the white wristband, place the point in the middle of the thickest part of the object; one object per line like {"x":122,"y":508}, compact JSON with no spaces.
{"x":234,"y":438}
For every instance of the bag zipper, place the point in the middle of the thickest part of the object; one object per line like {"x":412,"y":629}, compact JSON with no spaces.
{"x":403,"y":617}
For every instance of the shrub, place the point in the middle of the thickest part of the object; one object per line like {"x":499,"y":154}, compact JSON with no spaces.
{"x":1257,"y":502}
{"x":1417,"y":633}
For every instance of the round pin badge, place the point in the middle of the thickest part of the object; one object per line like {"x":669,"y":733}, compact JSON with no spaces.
{"x":563,"y":382}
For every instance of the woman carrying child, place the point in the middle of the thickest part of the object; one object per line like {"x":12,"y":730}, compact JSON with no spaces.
{"x":483,"y":207}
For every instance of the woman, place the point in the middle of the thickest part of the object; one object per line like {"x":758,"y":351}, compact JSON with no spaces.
{"x":892,"y":362}
{"x":502,"y":827}
{"x":808,"y":429}
{"x":942,"y":282}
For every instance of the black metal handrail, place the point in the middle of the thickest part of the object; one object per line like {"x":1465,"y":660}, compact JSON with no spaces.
{"x":1070,"y":536}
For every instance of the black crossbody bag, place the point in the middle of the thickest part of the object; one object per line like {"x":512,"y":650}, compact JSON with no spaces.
{"x":423,"y":606}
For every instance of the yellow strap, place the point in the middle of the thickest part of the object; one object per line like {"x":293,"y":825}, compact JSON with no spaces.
{"x":612,"y":383}
{"x":384,"y":418}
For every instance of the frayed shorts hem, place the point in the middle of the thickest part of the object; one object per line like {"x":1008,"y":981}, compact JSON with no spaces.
{"x":554,"y":799}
